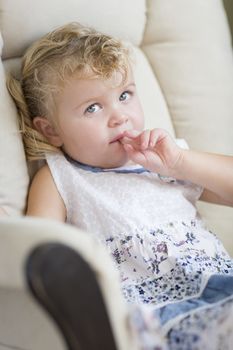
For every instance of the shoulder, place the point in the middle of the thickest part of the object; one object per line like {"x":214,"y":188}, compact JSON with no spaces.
{"x":43,"y":173}
{"x":43,"y":178}
{"x":44,"y":199}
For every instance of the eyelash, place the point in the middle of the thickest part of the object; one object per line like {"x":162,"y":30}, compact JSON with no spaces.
{"x":89,"y":107}
{"x":130,"y":93}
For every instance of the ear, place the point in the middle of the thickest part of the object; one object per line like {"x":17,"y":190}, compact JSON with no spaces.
{"x":45,"y":127}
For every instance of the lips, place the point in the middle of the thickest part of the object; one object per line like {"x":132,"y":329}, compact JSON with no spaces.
{"x":117,"y":138}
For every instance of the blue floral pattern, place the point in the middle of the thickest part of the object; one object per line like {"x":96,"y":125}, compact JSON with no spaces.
{"x":200,"y":330}
{"x":169,"y":264}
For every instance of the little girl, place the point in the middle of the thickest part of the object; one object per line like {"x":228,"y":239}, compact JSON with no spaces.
{"x":133,"y":190}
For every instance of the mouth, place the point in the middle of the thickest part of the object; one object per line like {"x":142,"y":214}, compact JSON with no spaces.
{"x":117,"y":138}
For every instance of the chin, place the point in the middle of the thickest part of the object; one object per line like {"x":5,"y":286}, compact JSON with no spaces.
{"x":116,"y":163}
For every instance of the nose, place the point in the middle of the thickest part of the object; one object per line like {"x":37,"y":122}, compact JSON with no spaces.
{"x":117,"y":118}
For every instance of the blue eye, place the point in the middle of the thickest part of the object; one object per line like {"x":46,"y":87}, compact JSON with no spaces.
{"x":93,"y":108}
{"x":124,"y":96}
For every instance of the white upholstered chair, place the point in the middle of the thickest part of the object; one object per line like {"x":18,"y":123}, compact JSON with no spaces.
{"x":184,"y":73}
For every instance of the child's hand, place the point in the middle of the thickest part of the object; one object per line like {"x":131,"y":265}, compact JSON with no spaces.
{"x":154,"y":149}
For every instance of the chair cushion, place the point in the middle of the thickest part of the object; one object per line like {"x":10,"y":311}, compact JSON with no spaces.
{"x":13,"y":169}
{"x":24,"y":21}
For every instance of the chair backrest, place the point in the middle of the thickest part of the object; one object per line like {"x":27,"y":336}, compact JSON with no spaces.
{"x":184,"y":71}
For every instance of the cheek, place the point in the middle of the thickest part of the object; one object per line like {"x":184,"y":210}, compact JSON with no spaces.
{"x":139,"y":121}
{"x":89,"y":137}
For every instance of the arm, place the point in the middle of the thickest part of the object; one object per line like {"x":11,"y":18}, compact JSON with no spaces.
{"x":211,"y":171}
{"x":44,"y":199}
{"x":157,"y":151}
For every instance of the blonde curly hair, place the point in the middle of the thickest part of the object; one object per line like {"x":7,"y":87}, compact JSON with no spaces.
{"x":47,"y":65}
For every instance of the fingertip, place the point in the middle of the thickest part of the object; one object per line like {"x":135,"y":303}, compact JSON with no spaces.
{"x":131,"y":133}
{"x":128,"y":133}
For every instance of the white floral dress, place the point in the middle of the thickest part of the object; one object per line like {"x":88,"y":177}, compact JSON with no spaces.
{"x":175,"y":274}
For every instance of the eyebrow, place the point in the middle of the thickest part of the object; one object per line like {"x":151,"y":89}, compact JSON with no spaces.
{"x":95,"y":98}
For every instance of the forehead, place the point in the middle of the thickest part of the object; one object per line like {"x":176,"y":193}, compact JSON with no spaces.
{"x":88,"y":83}
{"x":116,"y":79}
